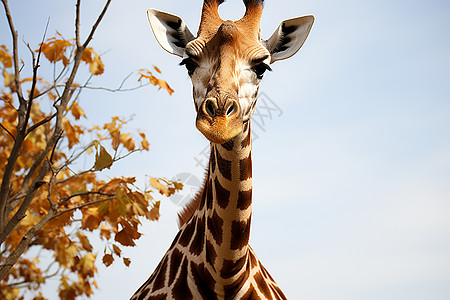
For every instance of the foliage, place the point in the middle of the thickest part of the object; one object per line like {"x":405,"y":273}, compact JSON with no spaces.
{"x":45,"y":205}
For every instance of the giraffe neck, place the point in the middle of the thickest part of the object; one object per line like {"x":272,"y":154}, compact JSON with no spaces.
{"x":226,"y":205}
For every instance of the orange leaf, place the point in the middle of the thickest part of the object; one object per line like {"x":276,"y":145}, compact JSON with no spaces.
{"x":96,"y":67}
{"x":127,"y":235}
{"x":84,"y":241}
{"x":108,"y":259}
{"x":126,"y":261}
{"x":145,"y":145}
{"x":153,"y":214}
{"x":5,"y":57}
{"x":77,"y":111}
{"x":163,"y":190}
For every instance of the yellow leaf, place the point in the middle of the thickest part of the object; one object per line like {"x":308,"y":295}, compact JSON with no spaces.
{"x":105,"y":232}
{"x":102,"y":158}
{"x":96,"y":67}
{"x":127,"y":141}
{"x":84,"y":241}
{"x":159,"y":186}
{"x":76,"y":111}
{"x":87,"y":55}
{"x":91,"y":219}
{"x":145,"y":145}
{"x":5,"y":57}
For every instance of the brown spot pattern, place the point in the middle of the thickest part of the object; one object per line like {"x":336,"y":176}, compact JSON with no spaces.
{"x":222,"y":194}
{"x":215,"y":224}
{"x":244,"y":199}
{"x":245,"y":167}
{"x":180,"y":289}
{"x":232,"y":289}
{"x":213,"y":161}
{"x":224,"y":166}
{"x":188,"y":231}
{"x":203,"y":281}
{"x":198,"y":239}
{"x":158,"y":297}
{"x":240,"y":233}
{"x":210,"y":253}
{"x":175,"y":262}
{"x":231,"y":267}
{"x":228,"y":145}
{"x":160,"y":278}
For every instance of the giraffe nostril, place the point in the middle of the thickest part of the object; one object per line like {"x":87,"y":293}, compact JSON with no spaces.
{"x":231,"y":109}
{"x":210,"y":109}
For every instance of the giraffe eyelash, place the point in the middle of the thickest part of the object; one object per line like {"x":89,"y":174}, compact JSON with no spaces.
{"x":190,"y":65}
{"x":260,"y":69}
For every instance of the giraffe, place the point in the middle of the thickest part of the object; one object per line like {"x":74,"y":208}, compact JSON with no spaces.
{"x":210,"y":257}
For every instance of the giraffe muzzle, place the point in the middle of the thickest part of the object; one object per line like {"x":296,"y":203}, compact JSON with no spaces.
{"x":219,"y":120}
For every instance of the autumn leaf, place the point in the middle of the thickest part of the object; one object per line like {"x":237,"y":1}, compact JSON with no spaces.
{"x":84,"y":241}
{"x":55,"y":49}
{"x":146,"y":74}
{"x":77,"y":111}
{"x":153,"y":214}
{"x":91,"y":219}
{"x":127,"y":235}
{"x":96,"y":67}
{"x":117,"y":250}
{"x":159,"y":186}
{"x":102,"y":158}
{"x":5,"y":57}
{"x":144,"y":143}
{"x":127,"y":141}
{"x":126,"y":261}
{"x":108,"y":259}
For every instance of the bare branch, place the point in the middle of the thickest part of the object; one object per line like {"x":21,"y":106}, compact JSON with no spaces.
{"x":40,"y":123}
{"x":82,"y":205}
{"x":4,"y":128}
{"x":15,"y":51}
{"x":77,"y":24}
{"x":64,"y":202}
{"x":94,"y":28}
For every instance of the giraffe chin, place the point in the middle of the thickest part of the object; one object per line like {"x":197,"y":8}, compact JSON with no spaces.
{"x":219,"y":130}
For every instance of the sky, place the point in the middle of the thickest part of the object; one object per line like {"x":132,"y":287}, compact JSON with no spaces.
{"x":352,"y":157}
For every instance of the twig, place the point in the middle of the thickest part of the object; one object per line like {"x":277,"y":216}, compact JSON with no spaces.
{"x":46,"y":120}
{"x":4,"y":128}
{"x":77,"y":24}
{"x":15,"y":51}
{"x":81,"y":206}
{"x":64,"y":202}
{"x":94,"y":28}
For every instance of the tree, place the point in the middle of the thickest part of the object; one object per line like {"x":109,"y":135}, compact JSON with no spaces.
{"x":45,"y":202}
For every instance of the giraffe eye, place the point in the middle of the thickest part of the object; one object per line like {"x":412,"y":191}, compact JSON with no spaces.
{"x":190,"y":65}
{"x":260,"y":69}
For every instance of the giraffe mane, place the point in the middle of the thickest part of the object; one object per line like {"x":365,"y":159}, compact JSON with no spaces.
{"x":191,"y":206}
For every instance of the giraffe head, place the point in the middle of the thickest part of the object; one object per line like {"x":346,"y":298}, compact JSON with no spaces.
{"x":226,"y":61}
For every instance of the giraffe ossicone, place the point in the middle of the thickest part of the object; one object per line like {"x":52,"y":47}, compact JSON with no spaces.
{"x":210,"y":258}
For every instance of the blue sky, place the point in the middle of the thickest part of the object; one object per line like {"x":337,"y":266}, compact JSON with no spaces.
{"x":351,"y":177}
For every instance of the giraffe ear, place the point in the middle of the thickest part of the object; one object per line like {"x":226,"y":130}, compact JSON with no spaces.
{"x":289,"y":37}
{"x":170,"y":31}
